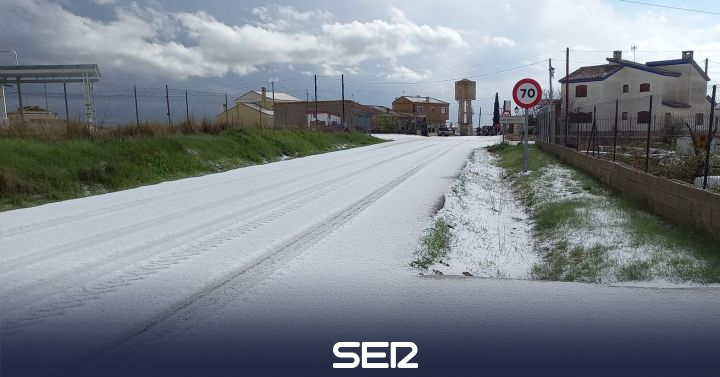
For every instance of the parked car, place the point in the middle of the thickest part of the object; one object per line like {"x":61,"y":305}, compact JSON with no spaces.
{"x":445,"y":131}
{"x":486,"y":131}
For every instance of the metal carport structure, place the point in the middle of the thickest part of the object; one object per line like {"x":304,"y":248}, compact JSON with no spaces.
{"x":88,"y":74}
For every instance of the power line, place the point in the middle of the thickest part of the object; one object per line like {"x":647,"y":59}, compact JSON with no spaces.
{"x":671,"y":7}
{"x":437,"y":81}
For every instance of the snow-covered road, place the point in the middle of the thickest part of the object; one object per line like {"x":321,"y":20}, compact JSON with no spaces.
{"x":301,"y":253}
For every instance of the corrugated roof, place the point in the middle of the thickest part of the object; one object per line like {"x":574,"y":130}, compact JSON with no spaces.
{"x":389,"y":111}
{"x":420,"y":99}
{"x":284,"y":97}
{"x":257,"y":108}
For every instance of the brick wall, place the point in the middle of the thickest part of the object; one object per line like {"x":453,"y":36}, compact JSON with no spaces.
{"x":675,"y":201}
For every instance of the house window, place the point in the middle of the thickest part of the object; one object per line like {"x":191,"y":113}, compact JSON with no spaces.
{"x":432,"y":110}
{"x":645,"y":87}
{"x":443,"y":110}
{"x":643,"y":117}
{"x":699,"y":121}
{"x":419,"y":109}
{"x":581,"y":91}
{"x":626,"y":88}
{"x":624,"y":115}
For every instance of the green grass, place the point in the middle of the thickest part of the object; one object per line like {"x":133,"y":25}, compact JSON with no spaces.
{"x":35,"y":171}
{"x":512,"y":158}
{"x":694,"y":256}
{"x":434,"y":245}
{"x":549,"y":216}
{"x":573,"y":264}
{"x":644,"y":227}
{"x":635,"y":271}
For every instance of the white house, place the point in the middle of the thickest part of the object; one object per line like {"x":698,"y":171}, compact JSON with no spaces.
{"x":678,"y":87}
{"x":255,"y":109}
{"x":265,"y":99}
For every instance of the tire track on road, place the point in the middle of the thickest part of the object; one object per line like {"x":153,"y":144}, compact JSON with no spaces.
{"x":58,"y":250}
{"x":24,"y":229}
{"x":24,"y":294}
{"x":251,"y":273}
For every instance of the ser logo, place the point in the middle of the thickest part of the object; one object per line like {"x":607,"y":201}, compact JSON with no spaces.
{"x":365,"y":354}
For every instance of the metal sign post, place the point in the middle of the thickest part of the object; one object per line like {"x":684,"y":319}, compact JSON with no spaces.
{"x":525,"y":142}
{"x":526,"y":93}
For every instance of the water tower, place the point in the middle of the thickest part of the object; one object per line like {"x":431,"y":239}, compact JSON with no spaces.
{"x":465,"y":94}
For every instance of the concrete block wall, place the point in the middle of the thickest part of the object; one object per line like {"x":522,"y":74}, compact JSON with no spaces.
{"x":675,"y":201}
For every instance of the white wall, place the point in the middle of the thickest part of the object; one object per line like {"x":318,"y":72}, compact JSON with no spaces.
{"x":690,"y":88}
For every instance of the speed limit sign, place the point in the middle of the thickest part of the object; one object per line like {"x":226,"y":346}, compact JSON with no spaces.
{"x":527,"y":93}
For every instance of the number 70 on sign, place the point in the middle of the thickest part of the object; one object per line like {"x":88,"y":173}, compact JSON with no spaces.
{"x":527,"y":93}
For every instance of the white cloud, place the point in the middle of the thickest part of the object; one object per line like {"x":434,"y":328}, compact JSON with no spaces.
{"x":146,"y":39}
{"x":498,"y":41}
{"x":402,"y":73}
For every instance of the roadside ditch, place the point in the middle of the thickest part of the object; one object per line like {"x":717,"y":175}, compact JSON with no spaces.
{"x":555,"y":223}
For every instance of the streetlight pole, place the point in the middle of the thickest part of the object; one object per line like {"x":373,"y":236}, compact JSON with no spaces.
{"x":4,"y":117}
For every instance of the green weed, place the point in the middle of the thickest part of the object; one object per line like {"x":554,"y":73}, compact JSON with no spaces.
{"x":434,"y":245}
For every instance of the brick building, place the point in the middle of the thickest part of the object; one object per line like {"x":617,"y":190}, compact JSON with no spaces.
{"x":436,"y":112}
{"x":329,"y":115}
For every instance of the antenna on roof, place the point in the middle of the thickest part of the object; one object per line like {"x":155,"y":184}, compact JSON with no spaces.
{"x":634,"y":49}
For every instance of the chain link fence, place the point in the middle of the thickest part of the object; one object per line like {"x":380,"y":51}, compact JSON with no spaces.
{"x":674,"y":135}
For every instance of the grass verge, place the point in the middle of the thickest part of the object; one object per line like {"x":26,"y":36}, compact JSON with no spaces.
{"x":35,"y":171}
{"x":586,"y":232}
{"x":434,"y":245}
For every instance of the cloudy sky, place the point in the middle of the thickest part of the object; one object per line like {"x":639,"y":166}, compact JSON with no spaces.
{"x":384,"y":48}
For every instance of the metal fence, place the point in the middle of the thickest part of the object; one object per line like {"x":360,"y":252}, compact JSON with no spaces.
{"x":119,"y":104}
{"x":674,"y":135}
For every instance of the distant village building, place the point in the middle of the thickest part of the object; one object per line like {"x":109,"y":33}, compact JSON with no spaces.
{"x":254,"y":109}
{"x":435,"y":111}
{"x":678,"y":86}
{"x":32,"y":113}
{"x":386,"y":120}
{"x":292,"y":114}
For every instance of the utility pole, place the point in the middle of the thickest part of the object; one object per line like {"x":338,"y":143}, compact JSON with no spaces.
{"x":647,"y":144}
{"x":22,"y":111}
{"x":551,"y":105}
{"x":342,"y":81}
{"x":137,"y":114}
{"x":567,"y":94}
{"x":273,"y":101}
{"x":316,"y":101}
{"x":47,"y":107}
{"x":187,"y":108}
{"x":67,"y":112}
{"x":272,"y":87}
{"x":227,"y":116}
{"x":710,"y":136}
{"x":167,"y":102}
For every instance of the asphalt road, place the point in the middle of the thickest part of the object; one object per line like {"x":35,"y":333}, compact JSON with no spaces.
{"x":259,"y":271}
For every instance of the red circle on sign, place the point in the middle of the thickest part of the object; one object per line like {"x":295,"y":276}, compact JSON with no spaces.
{"x":538,"y":94}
